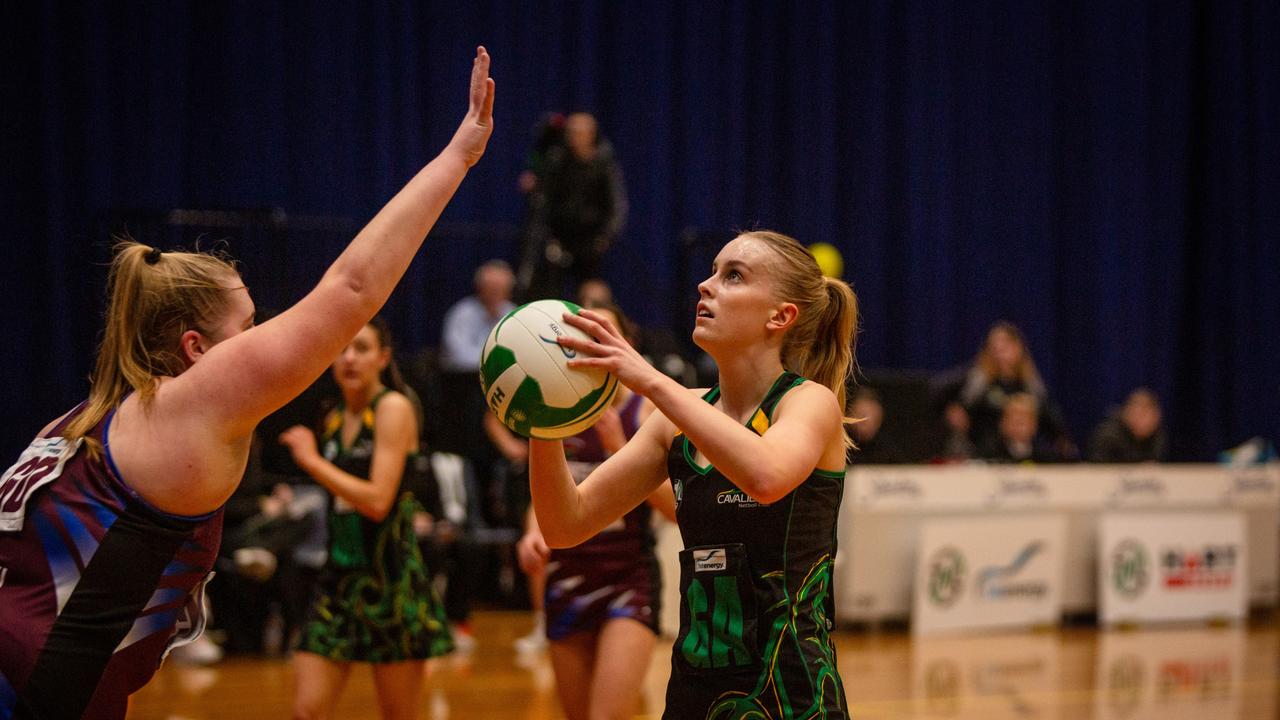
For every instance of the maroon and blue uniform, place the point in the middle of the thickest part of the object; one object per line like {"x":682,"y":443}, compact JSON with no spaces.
{"x":615,"y":573}
{"x":96,"y":585}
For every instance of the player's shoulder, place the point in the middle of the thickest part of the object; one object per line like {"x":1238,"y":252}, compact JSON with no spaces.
{"x":813,"y":396}
{"x":393,"y":402}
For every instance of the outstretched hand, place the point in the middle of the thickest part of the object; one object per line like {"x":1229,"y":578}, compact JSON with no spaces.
{"x":608,"y":351}
{"x":301,"y":443}
{"x":473,"y":134}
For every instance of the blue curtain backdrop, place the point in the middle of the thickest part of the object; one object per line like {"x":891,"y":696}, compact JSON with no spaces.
{"x":1106,"y":175}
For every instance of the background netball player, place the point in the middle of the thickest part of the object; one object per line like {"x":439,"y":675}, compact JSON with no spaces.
{"x":111,"y":519}
{"x":602,"y":597}
{"x":375,"y":602}
{"x":757,"y":465}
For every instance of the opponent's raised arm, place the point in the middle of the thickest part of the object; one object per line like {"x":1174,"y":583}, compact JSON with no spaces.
{"x":243,"y":379}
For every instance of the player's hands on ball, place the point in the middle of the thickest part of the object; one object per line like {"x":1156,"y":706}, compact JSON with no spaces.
{"x":609,"y":351}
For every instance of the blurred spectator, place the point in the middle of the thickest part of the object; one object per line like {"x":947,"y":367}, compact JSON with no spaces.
{"x":466,"y":326}
{"x":579,"y":210}
{"x":445,"y":528}
{"x":1017,"y":439}
{"x":468,"y":322}
{"x":1133,"y":434}
{"x":272,"y":548}
{"x":957,"y":446}
{"x":1003,"y":368}
{"x":548,"y":133}
{"x":872,"y":447}
{"x":594,"y":292}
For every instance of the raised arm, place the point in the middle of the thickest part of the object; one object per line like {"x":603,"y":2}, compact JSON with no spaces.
{"x":395,"y":434}
{"x":241,"y":380}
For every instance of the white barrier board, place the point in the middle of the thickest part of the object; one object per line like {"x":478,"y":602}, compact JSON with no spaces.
{"x":885,"y":506}
{"x":977,"y":574}
{"x":1167,"y":567}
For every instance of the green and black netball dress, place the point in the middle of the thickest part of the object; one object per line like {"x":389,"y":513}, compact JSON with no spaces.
{"x":375,"y":602}
{"x":755,"y":591}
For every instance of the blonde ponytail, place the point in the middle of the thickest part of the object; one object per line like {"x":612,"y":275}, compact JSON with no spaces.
{"x":821,"y":344}
{"x":827,"y":355}
{"x":153,"y":298}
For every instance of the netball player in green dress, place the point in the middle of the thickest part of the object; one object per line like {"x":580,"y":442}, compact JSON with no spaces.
{"x":375,"y":603}
{"x":757,"y":466}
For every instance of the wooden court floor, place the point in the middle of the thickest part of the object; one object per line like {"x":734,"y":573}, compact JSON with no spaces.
{"x":1200,"y":673}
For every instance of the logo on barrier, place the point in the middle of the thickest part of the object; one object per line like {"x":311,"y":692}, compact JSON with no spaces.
{"x":1245,"y":483}
{"x":997,"y":583}
{"x":1129,"y":569}
{"x":1212,"y":567}
{"x":1025,"y":487}
{"x":1140,"y":486}
{"x":883,"y":488}
{"x":946,"y":576}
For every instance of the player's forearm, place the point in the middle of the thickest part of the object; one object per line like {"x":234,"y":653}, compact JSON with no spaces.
{"x":739,"y":454}
{"x":368,"y":499}
{"x":557,"y":504}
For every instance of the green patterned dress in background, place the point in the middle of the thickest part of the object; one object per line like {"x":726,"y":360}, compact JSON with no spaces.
{"x":374,"y":602}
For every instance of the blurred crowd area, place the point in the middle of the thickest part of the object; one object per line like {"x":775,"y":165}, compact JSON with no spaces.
{"x":993,"y":407}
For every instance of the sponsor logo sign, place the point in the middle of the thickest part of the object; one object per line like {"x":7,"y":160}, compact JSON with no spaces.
{"x":1141,"y":488}
{"x":1130,"y":568}
{"x":978,"y":573}
{"x":1209,"y":566}
{"x":946,"y":576}
{"x":1016,"y":487}
{"x":1162,"y":567}
{"x":891,"y":487}
{"x":1002,"y":581}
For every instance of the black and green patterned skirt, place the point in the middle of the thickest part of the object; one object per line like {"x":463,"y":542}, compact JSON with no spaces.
{"x":385,"y":612}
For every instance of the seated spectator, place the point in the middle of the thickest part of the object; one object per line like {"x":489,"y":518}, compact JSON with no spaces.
{"x":1016,"y":439}
{"x":264,"y":566}
{"x":1004,"y":368}
{"x":466,"y":327}
{"x":468,"y":322}
{"x":957,"y":446}
{"x":1131,"y":435}
{"x":871,"y":447}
